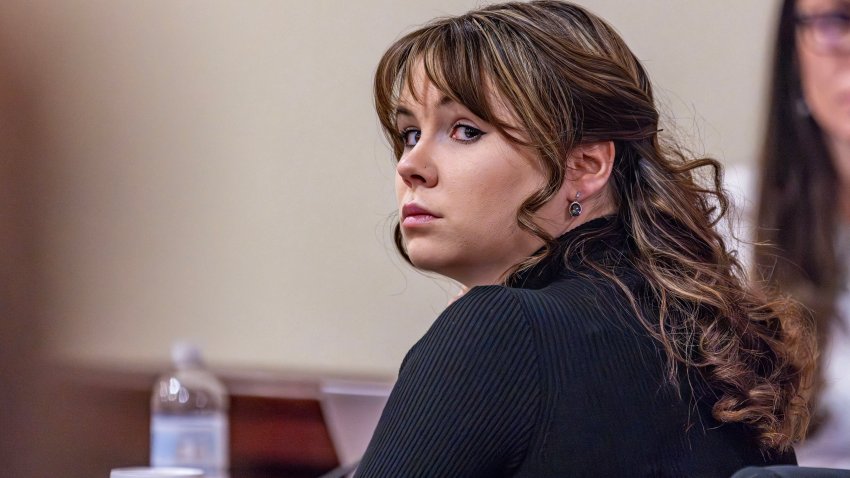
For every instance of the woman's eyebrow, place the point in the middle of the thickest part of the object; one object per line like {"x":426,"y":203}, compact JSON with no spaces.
{"x":404,"y":111}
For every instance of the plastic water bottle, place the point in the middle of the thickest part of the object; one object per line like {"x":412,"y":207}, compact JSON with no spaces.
{"x":189,"y":425}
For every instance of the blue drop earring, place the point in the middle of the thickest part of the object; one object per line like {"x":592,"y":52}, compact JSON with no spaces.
{"x":575,"y":206}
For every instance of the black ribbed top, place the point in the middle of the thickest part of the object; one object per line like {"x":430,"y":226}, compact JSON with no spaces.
{"x":551,"y":377}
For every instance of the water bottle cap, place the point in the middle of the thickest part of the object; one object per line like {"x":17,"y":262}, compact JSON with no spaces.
{"x":186,"y":354}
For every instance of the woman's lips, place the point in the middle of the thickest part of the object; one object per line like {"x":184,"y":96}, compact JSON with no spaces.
{"x":413,"y":214}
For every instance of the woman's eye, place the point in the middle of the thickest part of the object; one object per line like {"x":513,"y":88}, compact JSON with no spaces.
{"x":835,"y":23}
{"x":466,"y":134}
{"x":410,"y":137}
{"x":830,"y":27}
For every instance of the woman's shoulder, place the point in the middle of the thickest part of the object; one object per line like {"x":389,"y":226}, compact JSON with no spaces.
{"x":485,"y":319}
{"x":521,"y":307}
{"x":483,"y":338}
{"x":572,"y":307}
{"x":584,"y":302}
{"x":489,"y":309}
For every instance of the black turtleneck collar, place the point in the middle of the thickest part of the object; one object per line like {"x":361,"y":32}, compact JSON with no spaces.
{"x":602,"y":240}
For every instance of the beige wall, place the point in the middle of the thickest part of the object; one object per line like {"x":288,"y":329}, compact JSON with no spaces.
{"x":214,"y":170}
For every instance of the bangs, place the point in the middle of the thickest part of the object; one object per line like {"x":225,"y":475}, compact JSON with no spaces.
{"x":453,"y":54}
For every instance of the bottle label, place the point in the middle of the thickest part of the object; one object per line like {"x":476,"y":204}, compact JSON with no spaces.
{"x":194,"y":441}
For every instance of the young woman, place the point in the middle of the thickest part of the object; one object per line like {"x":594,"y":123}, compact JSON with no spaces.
{"x":804,"y":206}
{"x":604,"y":329}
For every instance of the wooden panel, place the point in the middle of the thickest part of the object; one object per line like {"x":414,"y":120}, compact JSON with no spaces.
{"x":279,"y":431}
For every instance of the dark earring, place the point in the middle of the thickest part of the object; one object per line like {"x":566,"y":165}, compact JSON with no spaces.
{"x":575,"y":207}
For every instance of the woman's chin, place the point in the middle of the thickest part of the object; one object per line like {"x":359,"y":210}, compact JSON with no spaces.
{"x":426,"y":262}
{"x":427,"y":258}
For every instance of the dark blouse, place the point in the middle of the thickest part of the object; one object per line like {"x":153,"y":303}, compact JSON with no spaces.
{"x":552,"y":376}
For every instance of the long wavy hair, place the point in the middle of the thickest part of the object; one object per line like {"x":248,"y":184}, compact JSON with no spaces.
{"x":797,"y":218}
{"x":569,"y":78}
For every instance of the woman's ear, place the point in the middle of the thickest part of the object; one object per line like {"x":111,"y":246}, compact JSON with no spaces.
{"x":584,"y":194}
{"x":589,"y":166}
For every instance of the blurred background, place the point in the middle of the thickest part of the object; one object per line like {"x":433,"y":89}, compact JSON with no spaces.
{"x":213,"y":171}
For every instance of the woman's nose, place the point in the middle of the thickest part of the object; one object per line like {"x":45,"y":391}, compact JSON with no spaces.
{"x":417,"y":169}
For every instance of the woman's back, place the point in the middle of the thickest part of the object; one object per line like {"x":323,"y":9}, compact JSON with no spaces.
{"x":552,"y":377}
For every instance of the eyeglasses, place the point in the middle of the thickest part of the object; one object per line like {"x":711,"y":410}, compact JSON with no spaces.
{"x":826,"y":33}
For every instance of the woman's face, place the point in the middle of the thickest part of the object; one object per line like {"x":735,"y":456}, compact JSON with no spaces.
{"x":459,"y":185}
{"x":825,"y":66}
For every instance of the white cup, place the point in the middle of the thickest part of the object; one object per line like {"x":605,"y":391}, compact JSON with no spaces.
{"x":156,"y":472}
